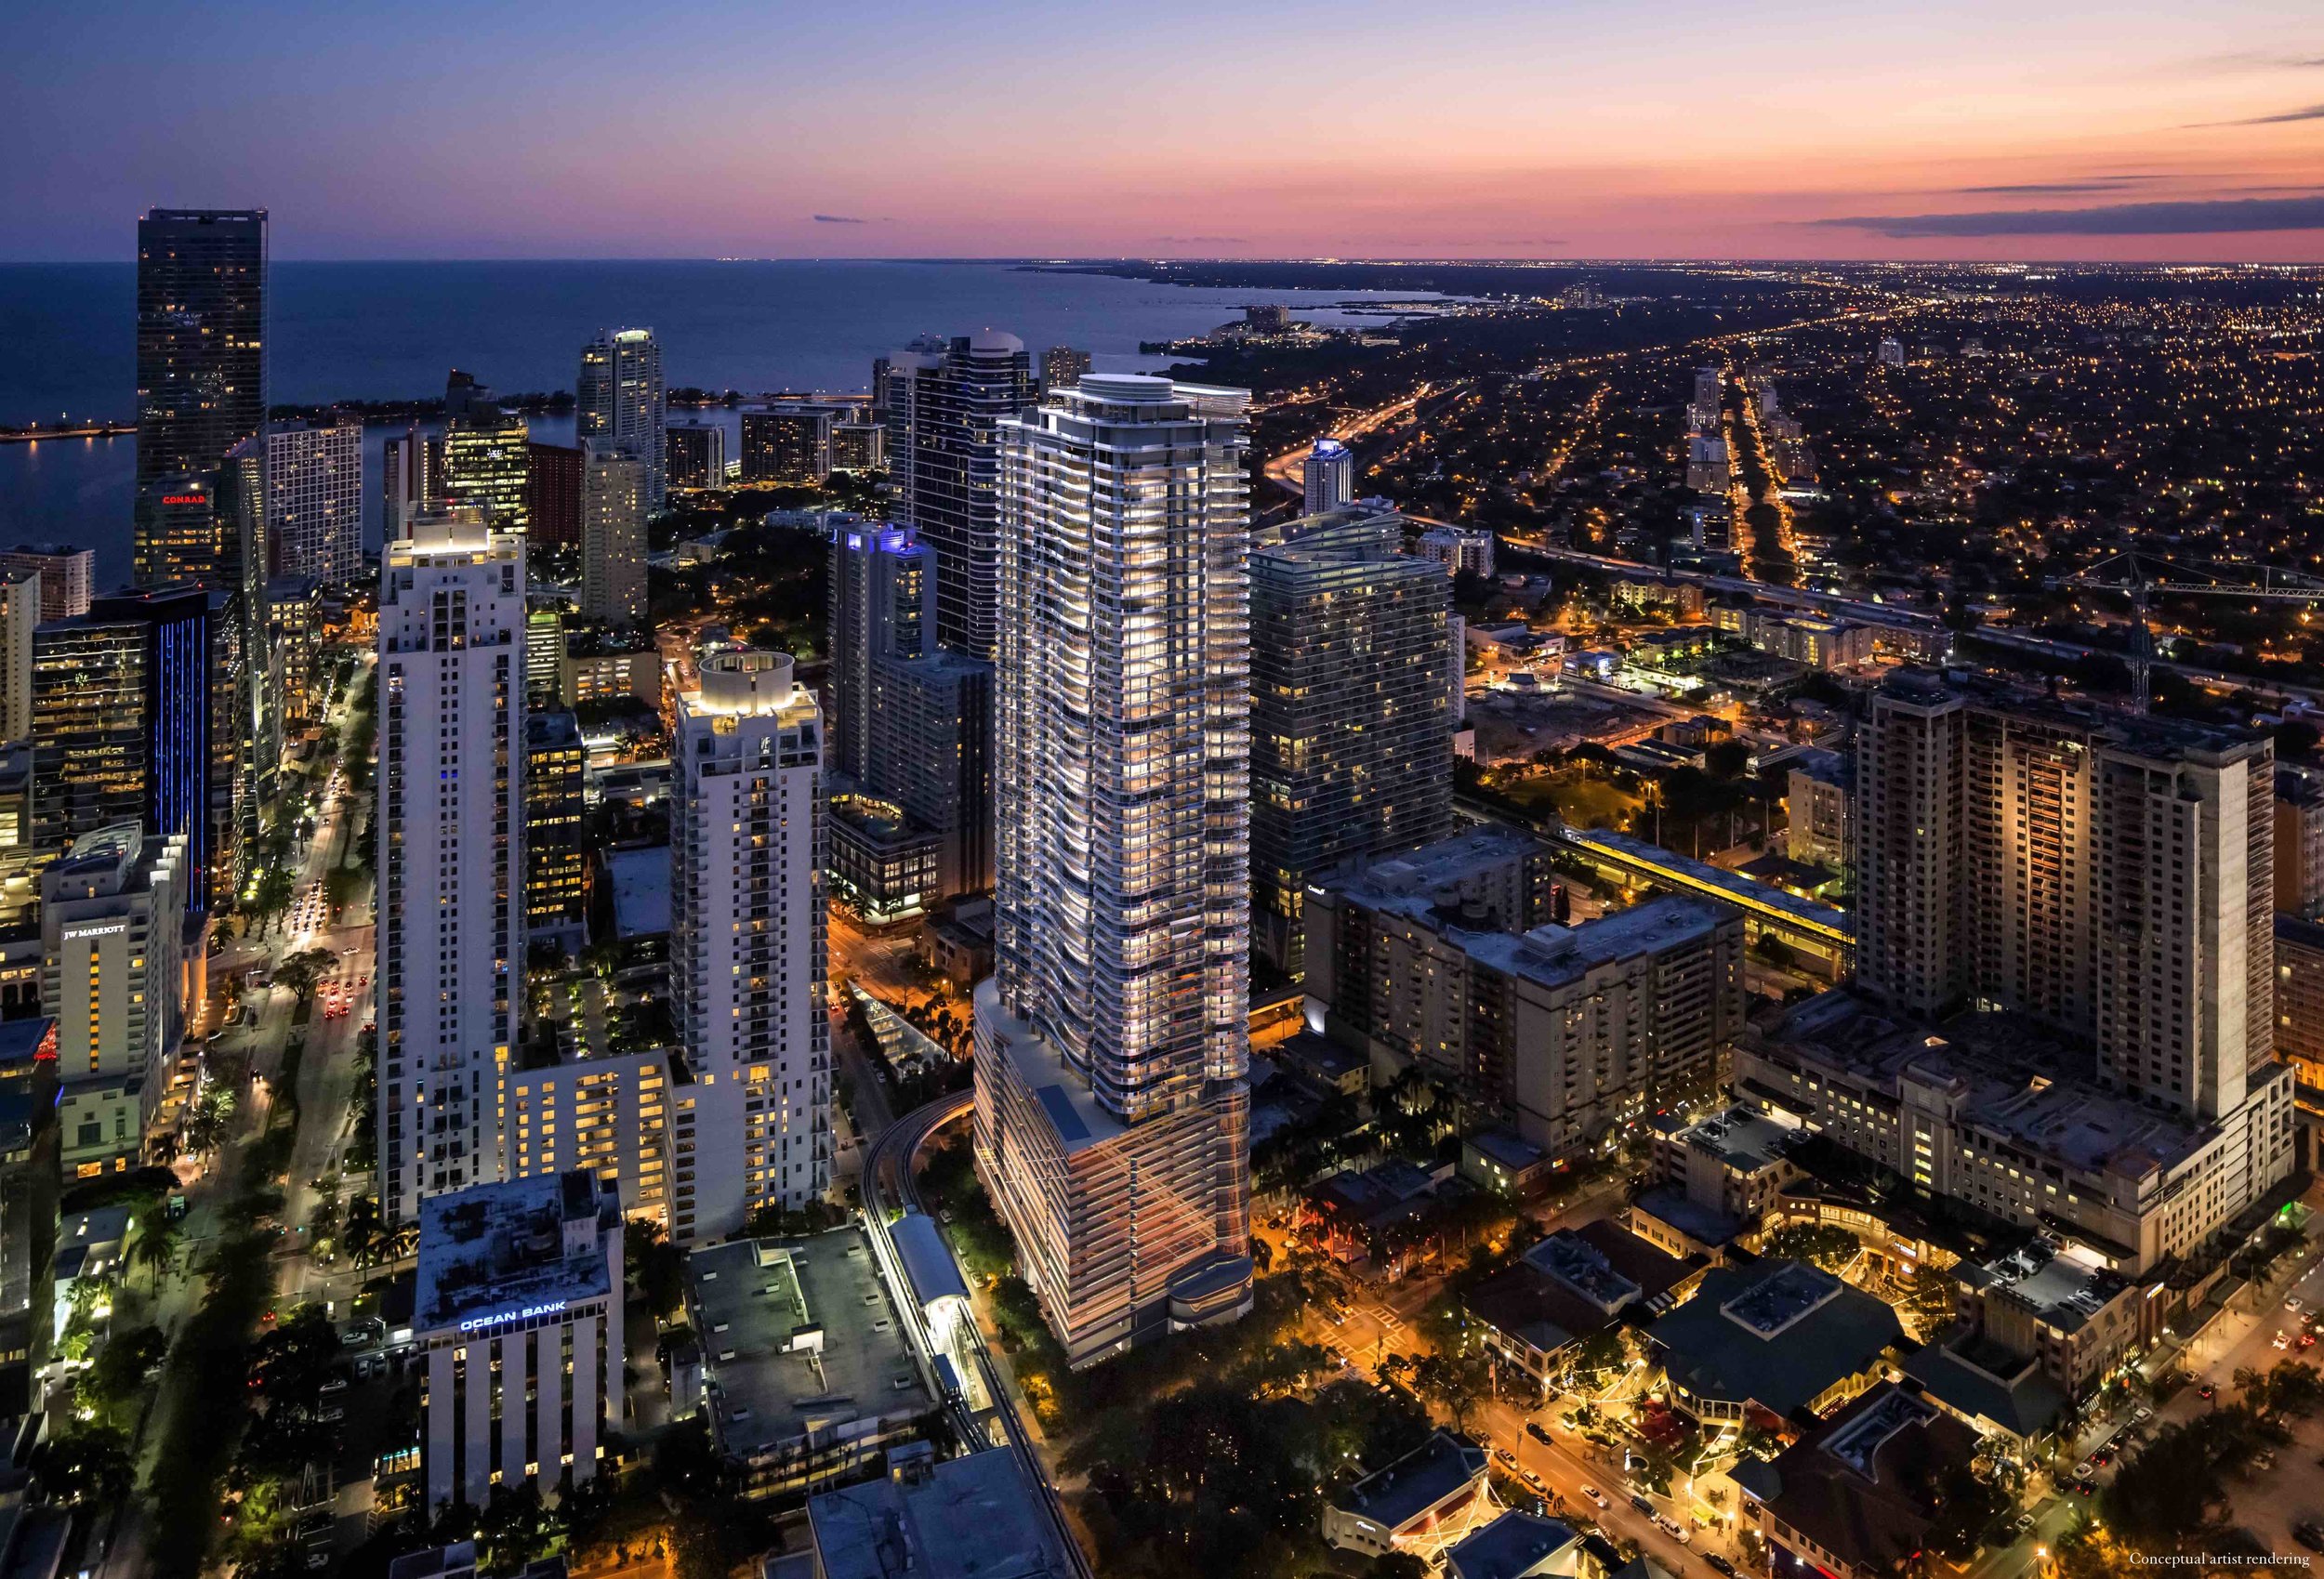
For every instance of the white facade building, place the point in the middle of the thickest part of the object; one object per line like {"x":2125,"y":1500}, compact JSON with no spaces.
{"x":746,"y":947}
{"x":620,"y":398}
{"x":1113,"y":1042}
{"x":315,"y":500}
{"x":1458,"y":549}
{"x":1330,"y":476}
{"x":517,"y":1304}
{"x":112,"y":916}
{"x":450,"y":859}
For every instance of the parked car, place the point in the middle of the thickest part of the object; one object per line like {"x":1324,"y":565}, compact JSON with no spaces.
{"x":2281,"y":1340}
{"x":1720,"y":1564}
{"x":1505,"y":1458}
{"x":1643,"y":1505}
{"x":1595,"y":1495}
{"x":2086,"y":1468}
{"x":1535,"y":1430}
{"x":1673,"y":1529}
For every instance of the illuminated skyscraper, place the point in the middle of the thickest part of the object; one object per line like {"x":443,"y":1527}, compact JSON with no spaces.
{"x":90,"y":744}
{"x":487,"y":464}
{"x":451,"y":857}
{"x":613,"y":531}
{"x":882,"y":605}
{"x":945,"y":403}
{"x":1113,"y":1041}
{"x":411,"y":480}
{"x":1330,"y":475}
{"x":1351,"y":727}
{"x":556,"y":862}
{"x":694,"y":455}
{"x":202,"y":320}
{"x":315,"y":500}
{"x":620,"y":398}
{"x":1061,"y":367}
{"x":747,"y":946}
{"x":192,"y":677}
{"x":179,"y":535}
{"x":66,"y":576}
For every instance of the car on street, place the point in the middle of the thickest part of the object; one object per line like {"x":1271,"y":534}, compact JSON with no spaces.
{"x":2281,"y":1340}
{"x":1533,"y":1429}
{"x":2291,"y":1302}
{"x":1720,"y":1564}
{"x":1643,"y":1505}
{"x":1505,"y":1458}
{"x":2140,"y":1415}
{"x":1673,"y":1529}
{"x":2023,"y":1526}
{"x":2085,"y":1488}
{"x":1535,"y":1481}
{"x":2208,"y":1391}
{"x":1594,"y":1494}
{"x":2086,"y":1468}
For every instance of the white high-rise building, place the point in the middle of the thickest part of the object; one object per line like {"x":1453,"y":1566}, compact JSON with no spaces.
{"x":613,"y":493}
{"x":1330,"y":476}
{"x":315,"y":500}
{"x":451,"y":850}
{"x":1113,"y":1042}
{"x":620,"y":398}
{"x":112,"y":916}
{"x":746,"y":947}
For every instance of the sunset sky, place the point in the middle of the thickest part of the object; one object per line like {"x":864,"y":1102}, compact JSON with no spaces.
{"x":1555,"y":128}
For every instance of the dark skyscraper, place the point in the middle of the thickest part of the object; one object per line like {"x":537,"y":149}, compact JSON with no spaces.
{"x":201,"y":337}
{"x":946,"y":402}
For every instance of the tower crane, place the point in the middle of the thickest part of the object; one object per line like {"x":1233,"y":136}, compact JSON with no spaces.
{"x":2142,"y":576}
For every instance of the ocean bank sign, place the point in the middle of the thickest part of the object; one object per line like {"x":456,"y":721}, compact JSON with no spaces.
{"x":522,"y":1314}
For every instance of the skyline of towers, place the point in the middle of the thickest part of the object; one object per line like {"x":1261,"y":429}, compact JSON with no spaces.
{"x":1113,"y":1039}
{"x":945,"y":401}
{"x":1351,"y":709}
{"x":747,"y":945}
{"x":451,"y":833}
{"x":619,"y":397}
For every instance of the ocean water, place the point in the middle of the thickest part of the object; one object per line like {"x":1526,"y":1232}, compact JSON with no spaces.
{"x":383,"y":331}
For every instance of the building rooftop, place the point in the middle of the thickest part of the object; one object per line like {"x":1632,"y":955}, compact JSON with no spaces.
{"x":1439,"y":1469}
{"x":490,"y":1251}
{"x":975,"y":1517}
{"x":1745,"y":1140}
{"x":2064,"y":1287}
{"x":2017,"y":1083}
{"x":642,"y":892}
{"x":1868,"y":1484}
{"x":1776,"y":1333}
{"x":1557,"y":956}
{"x":1512,"y":1547}
{"x":2023,"y":1402}
{"x":798,"y":1335}
{"x":1706,"y":1225}
{"x":1409,"y":884}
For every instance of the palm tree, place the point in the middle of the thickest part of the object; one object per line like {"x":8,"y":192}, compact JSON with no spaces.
{"x":155,"y":1244}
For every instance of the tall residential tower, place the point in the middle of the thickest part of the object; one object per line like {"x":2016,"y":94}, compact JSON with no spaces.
{"x":747,"y":946}
{"x":945,"y":401}
{"x":451,"y":850}
{"x":620,"y":398}
{"x":1113,"y":1042}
